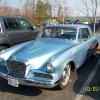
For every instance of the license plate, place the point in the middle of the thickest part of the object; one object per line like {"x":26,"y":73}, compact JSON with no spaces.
{"x":13,"y":82}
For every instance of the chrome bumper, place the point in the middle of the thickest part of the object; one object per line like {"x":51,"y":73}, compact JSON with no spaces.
{"x":29,"y":82}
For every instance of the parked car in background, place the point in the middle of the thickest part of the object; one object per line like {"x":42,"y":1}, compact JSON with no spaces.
{"x":48,"y":60}
{"x":14,"y":30}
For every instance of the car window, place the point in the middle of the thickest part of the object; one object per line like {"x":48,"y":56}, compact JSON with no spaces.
{"x":68,"y":32}
{"x":11,"y":24}
{"x":24,"y":25}
{"x":83,"y":33}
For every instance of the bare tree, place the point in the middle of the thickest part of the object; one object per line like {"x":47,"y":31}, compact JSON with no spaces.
{"x":60,"y":10}
{"x":9,"y":11}
{"x":66,"y":13}
{"x":90,"y":9}
{"x":33,"y":2}
{"x":27,"y":10}
{"x":48,"y":7}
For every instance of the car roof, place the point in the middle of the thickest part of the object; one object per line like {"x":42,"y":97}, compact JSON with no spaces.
{"x":68,"y":25}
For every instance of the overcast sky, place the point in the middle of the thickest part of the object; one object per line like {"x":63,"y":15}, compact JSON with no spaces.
{"x":14,"y":3}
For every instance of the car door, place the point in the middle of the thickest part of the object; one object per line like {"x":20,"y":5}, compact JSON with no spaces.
{"x":27,"y":29}
{"x":12,"y":30}
{"x":84,"y":44}
{"x":90,"y":42}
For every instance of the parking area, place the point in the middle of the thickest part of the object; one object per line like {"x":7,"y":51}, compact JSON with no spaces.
{"x":84,"y":85}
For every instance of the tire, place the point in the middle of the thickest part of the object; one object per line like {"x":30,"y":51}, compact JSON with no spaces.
{"x":65,"y":77}
{"x":2,"y":48}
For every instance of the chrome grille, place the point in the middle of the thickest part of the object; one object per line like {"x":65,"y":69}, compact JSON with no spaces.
{"x":3,"y":68}
{"x":16,"y":68}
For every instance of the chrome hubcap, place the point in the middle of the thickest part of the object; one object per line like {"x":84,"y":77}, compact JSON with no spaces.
{"x":66,"y":75}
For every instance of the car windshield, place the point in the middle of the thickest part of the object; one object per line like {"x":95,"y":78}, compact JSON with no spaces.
{"x":68,"y":33}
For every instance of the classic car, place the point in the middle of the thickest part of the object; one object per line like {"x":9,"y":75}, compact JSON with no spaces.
{"x":48,"y":61}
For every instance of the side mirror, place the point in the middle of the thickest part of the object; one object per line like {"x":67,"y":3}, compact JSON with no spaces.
{"x":31,"y":27}
{"x":34,"y":27}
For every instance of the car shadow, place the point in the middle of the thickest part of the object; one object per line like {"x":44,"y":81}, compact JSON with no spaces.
{"x":22,"y":90}
{"x":82,"y":76}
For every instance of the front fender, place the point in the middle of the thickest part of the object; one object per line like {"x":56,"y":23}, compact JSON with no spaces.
{"x":60,"y":67}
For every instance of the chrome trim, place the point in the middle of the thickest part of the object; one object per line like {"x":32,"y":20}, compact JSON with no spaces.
{"x":16,"y":68}
{"x":28,"y":82}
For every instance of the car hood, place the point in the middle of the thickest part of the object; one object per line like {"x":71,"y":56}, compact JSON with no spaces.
{"x":41,"y":51}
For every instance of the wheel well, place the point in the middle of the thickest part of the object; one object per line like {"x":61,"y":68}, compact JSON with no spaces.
{"x":72,"y":66}
{"x":97,"y":45}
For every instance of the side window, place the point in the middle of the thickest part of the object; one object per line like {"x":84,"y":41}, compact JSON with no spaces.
{"x":83,"y":33}
{"x":87,"y":32}
{"x":24,"y":25}
{"x":11,"y":24}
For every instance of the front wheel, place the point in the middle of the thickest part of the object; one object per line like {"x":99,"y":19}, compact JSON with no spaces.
{"x":65,"y":77}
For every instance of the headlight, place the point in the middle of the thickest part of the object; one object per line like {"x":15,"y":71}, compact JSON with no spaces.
{"x":49,"y":68}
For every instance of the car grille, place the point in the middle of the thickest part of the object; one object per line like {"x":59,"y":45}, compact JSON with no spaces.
{"x":16,"y":68}
{"x":3,"y":68}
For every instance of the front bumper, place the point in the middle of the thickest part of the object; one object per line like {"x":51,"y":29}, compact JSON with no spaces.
{"x":29,"y":82}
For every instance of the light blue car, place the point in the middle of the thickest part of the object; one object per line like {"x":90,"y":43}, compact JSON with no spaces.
{"x":48,"y":60}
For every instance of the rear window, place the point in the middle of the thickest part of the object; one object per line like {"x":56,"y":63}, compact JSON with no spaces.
{"x":11,"y":24}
